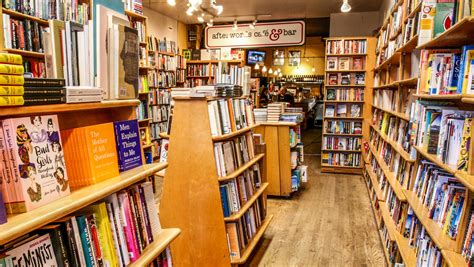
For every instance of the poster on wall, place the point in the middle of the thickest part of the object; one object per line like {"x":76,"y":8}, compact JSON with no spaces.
{"x":294,"y":58}
{"x":278,"y":57}
{"x":266,"y":34}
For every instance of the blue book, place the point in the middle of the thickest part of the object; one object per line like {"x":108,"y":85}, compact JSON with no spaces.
{"x":3,"y":211}
{"x":461,"y":69}
{"x":454,"y":74}
{"x":225,"y":203}
{"x":128,"y":144}
{"x":86,"y":241}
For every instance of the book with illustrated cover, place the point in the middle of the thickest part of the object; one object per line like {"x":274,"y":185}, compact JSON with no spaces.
{"x":330,"y":94}
{"x":127,"y":83}
{"x":344,"y":63}
{"x":360,"y":78}
{"x":342,"y":110}
{"x":128,"y":144}
{"x":37,"y":160}
{"x":330,"y":110}
{"x":345,"y":79}
{"x":331,"y":63}
{"x":357,"y":63}
{"x":463,"y":160}
{"x":332,"y":79}
{"x":355,"y":111}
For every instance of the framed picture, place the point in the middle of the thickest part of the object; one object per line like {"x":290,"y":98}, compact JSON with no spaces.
{"x":294,"y":58}
{"x":278,"y":57}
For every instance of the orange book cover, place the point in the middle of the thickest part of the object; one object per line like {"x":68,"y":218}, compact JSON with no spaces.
{"x":70,"y":163}
{"x":230,"y":106}
{"x":100,"y":141}
{"x":83,"y":156}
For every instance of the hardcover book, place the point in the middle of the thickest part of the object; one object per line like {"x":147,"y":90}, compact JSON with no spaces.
{"x":344,"y":63}
{"x":128,"y":144}
{"x":331,"y":63}
{"x":38,"y":250}
{"x":127,"y":63}
{"x":37,"y":160}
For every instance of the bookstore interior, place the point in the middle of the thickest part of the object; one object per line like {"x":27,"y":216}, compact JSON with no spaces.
{"x":237,"y":133}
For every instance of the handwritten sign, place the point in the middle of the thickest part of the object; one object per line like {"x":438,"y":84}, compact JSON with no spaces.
{"x":285,"y":33}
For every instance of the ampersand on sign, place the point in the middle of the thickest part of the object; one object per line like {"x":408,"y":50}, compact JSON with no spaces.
{"x":275,"y":34}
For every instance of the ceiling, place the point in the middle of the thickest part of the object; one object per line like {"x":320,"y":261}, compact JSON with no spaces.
{"x":245,"y":10}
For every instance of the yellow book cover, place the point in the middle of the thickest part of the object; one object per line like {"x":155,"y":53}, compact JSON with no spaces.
{"x":100,"y":141}
{"x":11,"y":101}
{"x":12,"y":79}
{"x":428,"y":74}
{"x":463,"y":161}
{"x":11,"y":58}
{"x":11,"y":69}
{"x":467,"y":64}
{"x":11,"y":90}
{"x":105,"y":233}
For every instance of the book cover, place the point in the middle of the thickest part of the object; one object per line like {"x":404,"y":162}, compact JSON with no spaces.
{"x":11,"y":58}
{"x":86,"y":241}
{"x":329,"y":111}
{"x":233,"y":240}
{"x":6,"y":79}
{"x":357,"y":63}
{"x":331,"y":63}
{"x":11,"y":69}
{"x":12,"y":101}
{"x":58,"y":240}
{"x":114,"y":211}
{"x":332,"y":79}
{"x":443,"y":18}
{"x":128,"y":144}
{"x":463,"y":160}
{"x":344,"y":63}
{"x":127,"y":63}
{"x":37,"y":154}
{"x":128,"y":227}
{"x":3,"y":211}
{"x":38,"y":250}
{"x":427,"y":14}
{"x":151,"y":209}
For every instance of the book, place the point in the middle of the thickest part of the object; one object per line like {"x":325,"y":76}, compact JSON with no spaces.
{"x":6,"y":79}
{"x":331,"y":63}
{"x":3,"y":210}
{"x":128,"y":144}
{"x":11,"y":69}
{"x":427,"y":15}
{"x":357,"y":63}
{"x":330,"y":111}
{"x":12,"y":101}
{"x":344,"y":63}
{"x":58,"y":240}
{"x":36,"y":153}
{"x":463,"y":161}
{"x":444,"y":17}
{"x":39,"y":250}
{"x":11,"y":58}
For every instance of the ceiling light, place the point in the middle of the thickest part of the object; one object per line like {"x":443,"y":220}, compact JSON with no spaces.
{"x":257,"y":67}
{"x":219,"y":8}
{"x":171,"y":2}
{"x":190,"y":11}
{"x":235,"y":27}
{"x":200,"y":19}
{"x":264,"y":69}
{"x":270,"y":71}
{"x":210,"y":23}
{"x":345,"y":6}
{"x":279,"y":70}
{"x":280,"y":75}
{"x":195,"y":3}
{"x":313,"y":69}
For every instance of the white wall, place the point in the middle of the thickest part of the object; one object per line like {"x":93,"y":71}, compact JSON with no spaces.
{"x":353,"y":24}
{"x":385,"y":7}
{"x":161,"y":26}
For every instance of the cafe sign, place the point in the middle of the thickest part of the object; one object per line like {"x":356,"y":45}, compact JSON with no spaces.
{"x":285,"y":33}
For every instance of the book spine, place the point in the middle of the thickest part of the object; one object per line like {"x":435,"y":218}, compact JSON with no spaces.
{"x":86,"y":241}
{"x":11,"y":101}
{"x":38,"y":93}
{"x":3,"y":211}
{"x":137,"y":225}
{"x":11,"y":58}
{"x":11,"y":79}
{"x":128,"y":227}
{"x":60,"y":248}
{"x":78,"y":240}
{"x":94,"y":237}
{"x":6,"y":90}
{"x":67,"y":231}
{"x":11,"y":69}
{"x":16,"y":178}
{"x":151,"y":209}
{"x":146,"y":218}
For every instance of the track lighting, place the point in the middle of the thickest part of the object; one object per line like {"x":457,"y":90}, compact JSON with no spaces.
{"x":201,"y":19}
{"x":345,"y":6}
{"x":210,"y":23}
{"x":235,"y":27}
{"x":171,"y":2}
{"x":253,"y":24}
{"x":190,"y":11}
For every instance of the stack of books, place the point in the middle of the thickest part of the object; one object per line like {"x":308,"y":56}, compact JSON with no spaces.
{"x":292,"y":117}
{"x":228,"y":90}
{"x":83,"y":94}
{"x":208,"y":90}
{"x":43,"y":91}
{"x":260,"y":115}
{"x":274,"y":112}
{"x":11,"y":80}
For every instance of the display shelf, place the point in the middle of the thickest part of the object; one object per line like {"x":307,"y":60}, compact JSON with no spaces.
{"x":247,"y":205}
{"x":413,"y":12}
{"x":433,"y":158}
{"x":59,"y":108}
{"x":454,"y":259}
{"x":344,"y":118}
{"x":466,"y":179}
{"x":398,"y":148}
{"x":164,"y":135}
{"x":393,"y":60}
{"x":375,"y":185}
{"x":166,"y":53}
{"x":18,"y":15}
{"x":372,"y":203}
{"x":458,"y":35}
{"x":24,"y":53}
{"x":212,"y":61}
{"x":20,"y":224}
{"x":280,"y":123}
{"x":135,"y":15}
{"x":397,"y":114}
{"x":338,"y":166}
{"x":153,"y":250}
{"x":346,"y":55}
{"x":243,"y":168}
{"x":338,"y":71}
{"x":342,"y":101}
{"x":342,"y":150}
{"x":337,"y":134}
{"x":392,"y":86}
{"x":408,"y":254}
{"x":343,"y":85}
{"x":233,"y":134}
{"x":409,"y":46}
{"x":439,"y":97}
{"x":441,"y":240}
{"x":389,"y":175}
{"x":468,"y":100}
{"x":253,"y":243}
{"x":408,"y":82}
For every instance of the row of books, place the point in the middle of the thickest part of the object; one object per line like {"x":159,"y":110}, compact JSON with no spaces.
{"x":447,"y":71}
{"x":231,"y":155}
{"x":394,"y":128}
{"x":343,"y":110}
{"x":345,"y":79}
{"x":22,"y":34}
{"x":164,"y":46}
{"x":443,"y":131}
{"x":342,"y":127}
{"x":160,"y":79}
{"x":201,"y":70}
{"x":159,"y":114}
{"x":140,"y":27}
{"x":157,"y":128}
{"x":215,"y":54}
{"x":394,"y":100}
{"x":340,"y":47}
{"x":439,"y":16}
{"x":142,"y":110}
{"x":341,"y":143}
{"x":299,"y":175}
{"x":380,"y":176}
{"x":295,"y":136}
{"x":198,"y":82}
{"x":345,"y":63}
{"x":341,"y":159}
{"x":232,"y":74}
{"x":390,"y":247}
{"x":241,"y":232}
{"x":236,"y":192}
{"x":135,"y":6}
{"x":180,"y":76}
{"x":67,"y":10}
{"x":143,"y":84}
{"x":160,"y":97}
{"x":345,"y":94}
{"x":229,"y":115}
{"x":165,"y":62}
{"x":111,"y":232}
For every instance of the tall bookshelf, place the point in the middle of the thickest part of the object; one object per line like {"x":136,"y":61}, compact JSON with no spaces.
{"x":191,"y":196}
{"x":202,"y":72}
{"x":396,"y":154}
{"x":347,"y":87}
{"x":73,"y":116}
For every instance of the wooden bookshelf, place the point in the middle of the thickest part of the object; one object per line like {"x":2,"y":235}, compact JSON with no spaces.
{"x":458,"y":35}
{"x":152,"y":251}
{"x":278,"y":162}
{"x":368,"y":59}
{"x":20,"y":224}
{"x":18,"y":15}
{"x":25,"y":53}
{"x":192,"y":175}
{"x":210,"y":78}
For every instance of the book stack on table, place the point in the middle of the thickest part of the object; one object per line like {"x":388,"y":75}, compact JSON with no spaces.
{"x":11,"y":80}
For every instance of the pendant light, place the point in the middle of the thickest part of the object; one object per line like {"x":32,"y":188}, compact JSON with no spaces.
{"x":270,"y":71}
{"x":257,"y":67}
{"x":171,"y":2}
{"x":264,"y":69}
{"x":345,"y":6}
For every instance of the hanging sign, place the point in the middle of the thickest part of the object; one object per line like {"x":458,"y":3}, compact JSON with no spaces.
{"x":285,"y":33}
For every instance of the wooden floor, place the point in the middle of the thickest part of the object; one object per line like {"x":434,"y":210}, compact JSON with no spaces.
{"x":328,"y":223}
